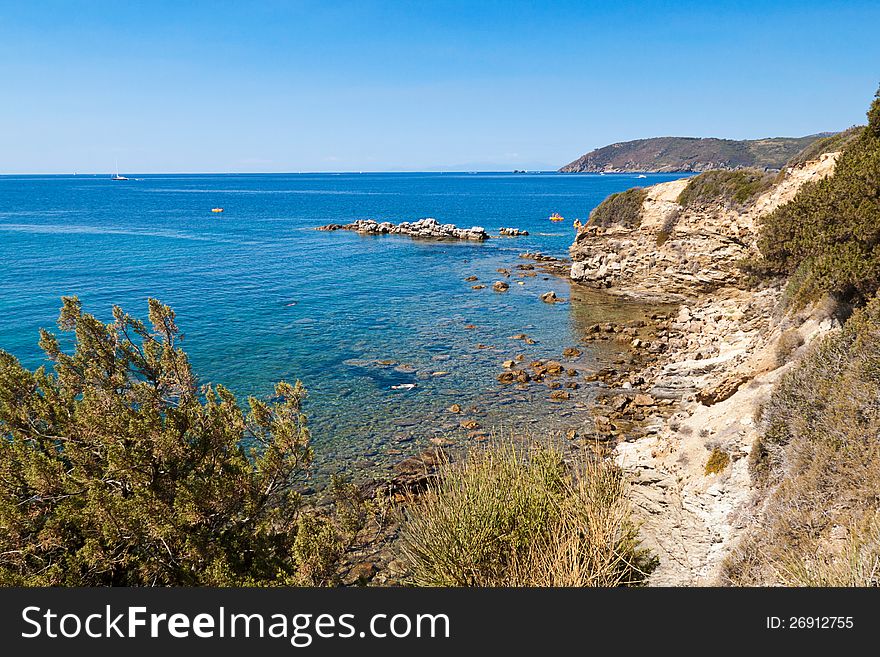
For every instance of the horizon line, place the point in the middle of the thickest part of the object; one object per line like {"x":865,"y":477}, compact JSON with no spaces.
{"x":273,"y":173}
{"x":335,"y":173}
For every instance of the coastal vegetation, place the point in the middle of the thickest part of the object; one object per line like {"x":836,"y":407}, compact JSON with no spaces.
{"x":819,"y":465}
{"x":521,"y":516}
{"x":718,"y":461}
{"x":817,"y":459}
{"x":769,"y":476}
{"x":623,"y":209}
{"x":827,"y":239}
{"x":830,"y":144}
{"x":117,"y":468}
{"x":733,"y":189}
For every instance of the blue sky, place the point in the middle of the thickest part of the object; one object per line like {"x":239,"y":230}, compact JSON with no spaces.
{"x":349,"y":86}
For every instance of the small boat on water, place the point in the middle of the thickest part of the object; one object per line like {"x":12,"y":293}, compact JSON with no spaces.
{"x":556,"y":217}
{"x":116,"y":176}
{"x":216,"y":209}
{"x":641,"y":175}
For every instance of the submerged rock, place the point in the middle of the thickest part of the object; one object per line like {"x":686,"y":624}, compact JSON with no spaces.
{"x":550,"y":297}
{"x":414,"y":473}
{"x":507,"y":377}
{"x":500,"y":286}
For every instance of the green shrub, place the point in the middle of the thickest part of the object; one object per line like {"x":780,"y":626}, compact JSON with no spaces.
{"x":730,"y":188}
{"x":116,"y":468}
{"x":511,"y":516}
{"x":828,"y":236}
{"x":830,"y":144}
{"x":623,"y":209}
{"x":819,"y":463}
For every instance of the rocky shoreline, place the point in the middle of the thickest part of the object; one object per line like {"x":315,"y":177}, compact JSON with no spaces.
{"x":677,"y":391}
{"x":598,"y":406}
{"x":688,"y":423}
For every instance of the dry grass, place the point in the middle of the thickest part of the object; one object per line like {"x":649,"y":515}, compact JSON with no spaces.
{"x":788,"y":342}
{"x":668,"y":226}
{"x":853,"y":559}
{"x":520,"y":516}
{"x":819,"y":463}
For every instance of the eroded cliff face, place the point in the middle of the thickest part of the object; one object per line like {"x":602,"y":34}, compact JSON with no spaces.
{"x":720,"y":357}
{"x":678,"y":253}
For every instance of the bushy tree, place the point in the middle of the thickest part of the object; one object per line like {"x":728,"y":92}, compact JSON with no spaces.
{"x":828,"y":236}
{"x":117,"y":468}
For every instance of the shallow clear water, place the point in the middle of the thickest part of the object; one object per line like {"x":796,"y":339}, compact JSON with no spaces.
{"x":261,"y":296}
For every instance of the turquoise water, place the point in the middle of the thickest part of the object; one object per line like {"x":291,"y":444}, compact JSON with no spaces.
{"x":261,"y":296}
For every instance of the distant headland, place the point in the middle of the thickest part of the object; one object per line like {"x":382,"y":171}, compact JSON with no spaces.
{"x":686,"y":154}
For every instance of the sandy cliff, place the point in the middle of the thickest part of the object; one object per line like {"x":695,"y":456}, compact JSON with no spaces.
{"x":679,"y":253}
{"x":720,"y":357}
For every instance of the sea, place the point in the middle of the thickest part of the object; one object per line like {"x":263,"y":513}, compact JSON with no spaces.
{"x":384,"y":331}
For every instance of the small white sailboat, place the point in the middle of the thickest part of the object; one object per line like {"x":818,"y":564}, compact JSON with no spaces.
{"x":117,"y":176}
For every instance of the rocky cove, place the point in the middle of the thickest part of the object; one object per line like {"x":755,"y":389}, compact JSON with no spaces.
{"x":675,"y":387}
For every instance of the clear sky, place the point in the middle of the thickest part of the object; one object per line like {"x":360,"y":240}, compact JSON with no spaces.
{"x":348,"y":86}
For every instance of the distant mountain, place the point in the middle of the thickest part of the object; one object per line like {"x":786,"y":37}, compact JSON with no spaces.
{"x":668,"y":154}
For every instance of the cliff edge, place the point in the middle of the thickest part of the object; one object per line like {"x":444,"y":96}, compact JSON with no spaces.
{"x":718,"y":359}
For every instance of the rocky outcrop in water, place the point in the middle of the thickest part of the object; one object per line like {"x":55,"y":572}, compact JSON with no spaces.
{"x":428,"y":228}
